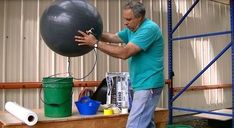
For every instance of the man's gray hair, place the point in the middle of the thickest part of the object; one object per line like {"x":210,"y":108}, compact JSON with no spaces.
{"x":137,"y":8}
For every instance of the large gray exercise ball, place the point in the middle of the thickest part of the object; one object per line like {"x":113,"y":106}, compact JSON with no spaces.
{"x":61,"y":21}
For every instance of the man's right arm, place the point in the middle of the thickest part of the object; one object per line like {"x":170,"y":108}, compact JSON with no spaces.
{"x":110,"y":37}
{"x":122,"y":52}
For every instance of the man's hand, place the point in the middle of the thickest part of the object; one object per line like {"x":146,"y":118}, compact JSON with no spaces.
{"x":85,"y":38}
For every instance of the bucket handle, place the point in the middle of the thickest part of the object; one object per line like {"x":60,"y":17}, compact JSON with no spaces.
{"x":57,"y":75}
{"x":53,"y":104}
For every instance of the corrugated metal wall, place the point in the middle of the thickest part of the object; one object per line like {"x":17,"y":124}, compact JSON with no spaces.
{"x":25,"y":57}
{"x":191,"y":56}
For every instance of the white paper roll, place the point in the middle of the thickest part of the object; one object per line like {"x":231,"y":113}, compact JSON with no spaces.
{"x":27,"y":116}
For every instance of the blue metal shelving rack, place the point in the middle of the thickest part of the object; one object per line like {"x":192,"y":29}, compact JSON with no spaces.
{"x":171,"y":30}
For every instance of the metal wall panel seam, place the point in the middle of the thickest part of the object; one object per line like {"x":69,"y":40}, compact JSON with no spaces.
{"x":151,"y":9}
{"x":82,"y":68}
{"x":21,"y":39}
{"x":38,"y":42}
{"x":120,"y":64}
{"x":200,"y":5}
{"x":160,"y":14}
{"x":68,"y":65}
{"x":95,"y":53}
{"x":209,"y":57}
{"x":201,"y":51}
{"x":95,"y":60}
{"x":163,"y":104}
{"x":21,"y":48}
{"x":38,"y":54}
{"x":161,"y":25}
{"x":4,"y":55}
{"x":53,"y":63}
{"x":108,"y":30}
{"x":4,"y":45}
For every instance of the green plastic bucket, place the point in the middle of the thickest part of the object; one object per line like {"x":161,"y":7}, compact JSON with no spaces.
{"x":179,"y":126}
{"x":57,"y":96}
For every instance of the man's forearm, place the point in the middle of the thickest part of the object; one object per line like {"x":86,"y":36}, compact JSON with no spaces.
{"x":110,"y":37}
{"x":113,"y":50}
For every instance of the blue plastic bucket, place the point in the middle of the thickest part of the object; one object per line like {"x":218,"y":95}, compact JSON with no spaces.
{"x":87,"y":106}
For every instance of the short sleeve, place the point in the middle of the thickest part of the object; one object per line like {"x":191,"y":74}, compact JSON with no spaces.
{"x":123,"y":35}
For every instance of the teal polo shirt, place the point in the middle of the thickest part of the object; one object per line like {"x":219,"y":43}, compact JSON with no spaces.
{"x":146,"y":67}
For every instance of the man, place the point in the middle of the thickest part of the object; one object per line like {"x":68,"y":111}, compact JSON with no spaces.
{"x":144,"y":50}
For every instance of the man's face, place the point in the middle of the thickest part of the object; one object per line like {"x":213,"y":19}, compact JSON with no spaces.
{"x":130,"y":21}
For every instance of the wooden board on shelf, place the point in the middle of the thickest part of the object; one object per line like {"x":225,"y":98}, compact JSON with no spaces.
{"x":78,"y":121}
